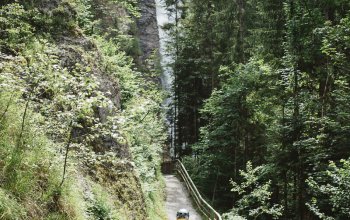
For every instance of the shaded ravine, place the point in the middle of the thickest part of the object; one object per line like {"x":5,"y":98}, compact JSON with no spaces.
{"x":178,"y":198}
{"x":166,"y":58}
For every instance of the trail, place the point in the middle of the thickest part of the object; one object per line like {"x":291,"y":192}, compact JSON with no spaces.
{"x":178,"y":198}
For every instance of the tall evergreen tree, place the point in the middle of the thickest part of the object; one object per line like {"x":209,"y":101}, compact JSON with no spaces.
{"x":266,"y":81}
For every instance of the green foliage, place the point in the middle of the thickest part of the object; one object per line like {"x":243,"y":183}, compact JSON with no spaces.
{"x":156,"y":200}
{"x":336,"y":40}
{"x":99,"y":211}
{"x":130,"y":6}
{"x":334,"y":189}
{"x":9,"y":207}
{"x":85,"y":20}
{"x":232,"y":115}
{"x":101,"y":208}
{"x":254,"y":196}
{"x":119,"y":66}
{"x":75,"y":80}
{"x":15,"y":29}
{"x":145,"y":132}
{"x":262,"y":81}
{"x":64,"y":17}
{"x":31,"y":170}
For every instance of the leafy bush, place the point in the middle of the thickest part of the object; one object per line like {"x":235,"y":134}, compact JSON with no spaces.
{"x":59,"y":87}
{"x":333,"y":189}
{"x":64,"y":17}
{"x":15,"y":31}
{"x":9,"y":207}
{"x":254,"y":196}
{"x":31,"y":170}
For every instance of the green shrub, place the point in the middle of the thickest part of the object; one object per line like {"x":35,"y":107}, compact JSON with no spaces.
{"x":331,"y":192}
{"x":64,"y":17}
{"x":32,"y":165}
{"x":31,"y":169}
{"x":254,"y":196}
{"x":9,"y":207}
{"x":102,"y":207}
{"x":15,"y":30}
{"x":100,"y":211}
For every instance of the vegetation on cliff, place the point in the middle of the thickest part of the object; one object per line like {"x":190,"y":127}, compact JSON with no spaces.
{"x":81,"y":131}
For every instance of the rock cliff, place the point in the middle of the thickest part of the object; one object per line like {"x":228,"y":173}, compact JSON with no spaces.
{"x":148,"y":30}
{"x":68,"y":64}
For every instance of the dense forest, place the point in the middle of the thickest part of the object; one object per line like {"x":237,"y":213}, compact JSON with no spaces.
{"x":259,"y":112}
{"x":262,"y":104}
{"x":81,"y":130}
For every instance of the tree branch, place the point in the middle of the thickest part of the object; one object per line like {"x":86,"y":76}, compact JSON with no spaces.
{"x":6,"y":109}
{"x":66,"y":155}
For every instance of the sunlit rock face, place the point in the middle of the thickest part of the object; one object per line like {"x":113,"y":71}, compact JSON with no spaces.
{"x":148,"y":29}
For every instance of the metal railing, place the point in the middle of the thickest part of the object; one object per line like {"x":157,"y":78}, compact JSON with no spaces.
{"x":202,"y":205}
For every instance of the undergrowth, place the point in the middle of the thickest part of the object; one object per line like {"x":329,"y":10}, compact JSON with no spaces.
{"x":54,"y":63}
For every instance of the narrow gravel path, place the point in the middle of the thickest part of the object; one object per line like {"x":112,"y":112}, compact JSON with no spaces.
{"x":178,"y":198}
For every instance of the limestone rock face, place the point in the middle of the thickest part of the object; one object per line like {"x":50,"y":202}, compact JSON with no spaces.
{"x":148,"y":29}
{"x":71,"y":53}
{"x":76,"y":54}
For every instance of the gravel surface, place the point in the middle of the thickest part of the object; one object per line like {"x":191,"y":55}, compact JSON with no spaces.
{"x":178,"y":198}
